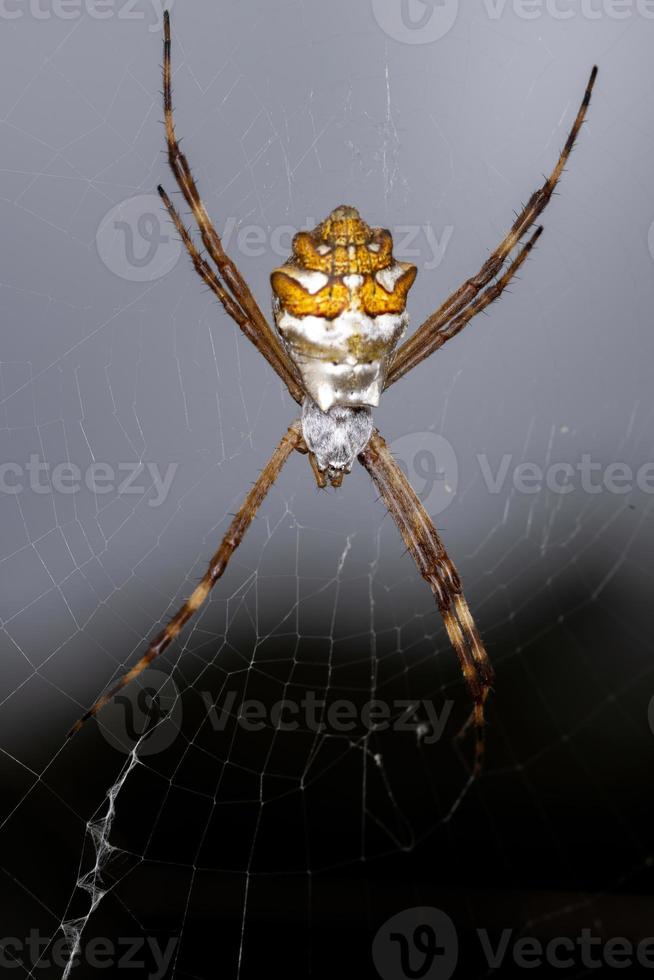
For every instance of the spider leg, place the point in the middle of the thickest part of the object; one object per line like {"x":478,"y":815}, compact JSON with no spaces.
{"x":420,"y":344}
{"x":269,"y":344}
{"x":211,"y":278}
{"x":454,"y":326}
{"x":291,"y":440}
{"x":436,"y":567}
{"x":321,"y":478}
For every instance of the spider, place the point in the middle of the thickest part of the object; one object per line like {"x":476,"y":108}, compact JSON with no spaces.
{"x":339,"y":306}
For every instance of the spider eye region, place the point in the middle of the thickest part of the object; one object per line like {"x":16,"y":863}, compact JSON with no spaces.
{"x":340,"y":307}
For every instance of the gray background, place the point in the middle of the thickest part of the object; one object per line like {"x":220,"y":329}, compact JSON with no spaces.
{"x":286,"y":110}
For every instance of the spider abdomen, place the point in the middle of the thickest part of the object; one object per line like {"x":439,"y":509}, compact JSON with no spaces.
{"x":343,"y":361}
{"x":337,"y":436}
{"x":340,"y":307}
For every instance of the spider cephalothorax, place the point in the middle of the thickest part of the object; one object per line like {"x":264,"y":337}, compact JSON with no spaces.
{"x":339,"y":305}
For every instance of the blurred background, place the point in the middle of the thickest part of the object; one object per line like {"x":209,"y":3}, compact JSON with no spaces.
{"x":134,"y":417}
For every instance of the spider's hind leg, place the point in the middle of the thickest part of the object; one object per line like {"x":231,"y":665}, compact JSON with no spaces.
{"x":320,"y":475}
{"x":291,"y":440}
{"x":425,"y":546}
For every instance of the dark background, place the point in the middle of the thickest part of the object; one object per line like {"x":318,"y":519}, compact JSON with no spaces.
{"x":285,"y":850}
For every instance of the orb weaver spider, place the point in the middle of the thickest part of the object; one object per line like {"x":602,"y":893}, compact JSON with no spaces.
{"x":339,"y":305}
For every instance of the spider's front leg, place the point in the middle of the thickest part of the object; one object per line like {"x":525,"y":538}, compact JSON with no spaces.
{"x":466,"y":301}
{"x":436,"y":567}
{"x":223,"y":277}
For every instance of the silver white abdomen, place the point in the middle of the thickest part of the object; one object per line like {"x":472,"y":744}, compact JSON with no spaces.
{"x":325,"y":351}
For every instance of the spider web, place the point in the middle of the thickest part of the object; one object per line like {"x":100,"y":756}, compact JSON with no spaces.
{"x":170,"y":828}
